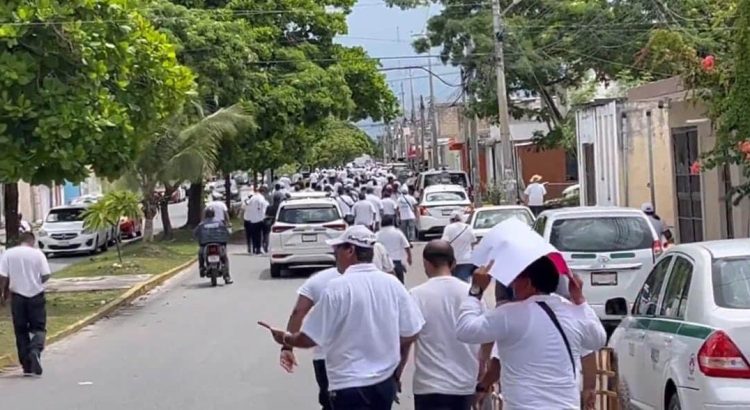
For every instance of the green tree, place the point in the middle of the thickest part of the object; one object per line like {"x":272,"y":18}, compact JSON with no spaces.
{"x":337,"y":143}
{"x":78,"y":93}
{"x":106,"y":213}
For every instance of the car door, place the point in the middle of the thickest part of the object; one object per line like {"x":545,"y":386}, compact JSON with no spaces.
{"x":632,"y":348}
{"x":663,"y":344}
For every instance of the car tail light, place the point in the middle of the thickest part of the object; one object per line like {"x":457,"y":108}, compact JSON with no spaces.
{"x":423,"y":210}
{"x":720,"y":357}
{"x":278,"y":229}
{"x":469,"y":209}
{"x":657,"y":248}
{"x":336,"y":227}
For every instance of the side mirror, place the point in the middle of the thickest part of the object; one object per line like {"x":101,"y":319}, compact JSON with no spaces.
{"x":616,"y":307}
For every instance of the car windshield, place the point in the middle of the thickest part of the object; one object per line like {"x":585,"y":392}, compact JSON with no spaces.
{"x":731,"y":281}
{"x":601,"y":234}
{"x":65,"y":215}
{"x":445,"y":196}
{"x":446,"y":178}
{"x":488,"y":219}
{"x":308,"y":215}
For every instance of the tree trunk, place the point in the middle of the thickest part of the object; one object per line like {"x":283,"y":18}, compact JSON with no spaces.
{"x":195,"y":205}
{"x":228,"y":191}
{"x":12,"y":222}
{"x":166,"y":222}
{"x":149,"y":213}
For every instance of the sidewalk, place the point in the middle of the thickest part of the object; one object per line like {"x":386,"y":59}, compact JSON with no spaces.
{"x":83,"y":284}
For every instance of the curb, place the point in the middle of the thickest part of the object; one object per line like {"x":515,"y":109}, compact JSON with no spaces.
{"x":127,"y":297}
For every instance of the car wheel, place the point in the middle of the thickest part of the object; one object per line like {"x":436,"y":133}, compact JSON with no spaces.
{"x":105,"y":246}
{"x":674,"y":402}
{"x":276,"y":270}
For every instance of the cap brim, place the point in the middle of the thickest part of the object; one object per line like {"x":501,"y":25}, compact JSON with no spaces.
{"x":335,"y":242}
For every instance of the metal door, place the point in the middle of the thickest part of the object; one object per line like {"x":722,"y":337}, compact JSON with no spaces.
{"x":688,"y":185}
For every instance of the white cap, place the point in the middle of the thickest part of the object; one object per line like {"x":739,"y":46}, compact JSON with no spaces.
{"x":357,"y":235}
{"x":647,"y":207}
{"x":405,"y":189}
{"x":457,"y":215}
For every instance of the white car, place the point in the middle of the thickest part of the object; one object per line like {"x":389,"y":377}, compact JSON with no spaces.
{"x":612,"y":249}
{"x":441,"y":177}
{"x":483,"y":219}
{"x":298,"y":237}
{"x":436,"y":204}
{"x":63,"y":232}
{"x":686,"y":342}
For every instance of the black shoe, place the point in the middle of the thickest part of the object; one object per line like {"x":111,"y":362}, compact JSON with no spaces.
{"x":228,"y":281}
{"x":35,"y":363}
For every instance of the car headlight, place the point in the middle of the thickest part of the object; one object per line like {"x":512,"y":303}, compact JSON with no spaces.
{"x":87,"y":232}
{"x":42,"y":233}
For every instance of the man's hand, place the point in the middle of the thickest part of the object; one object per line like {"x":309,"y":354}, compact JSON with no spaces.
{"x":481,"y":277}
{"x":575,"y":289}
{"x":408,"y":260}
{"x":287,"y":360}
{"x":277,"y":334}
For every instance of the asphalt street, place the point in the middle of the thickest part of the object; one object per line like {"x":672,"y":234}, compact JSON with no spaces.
{"x":184,"y":346}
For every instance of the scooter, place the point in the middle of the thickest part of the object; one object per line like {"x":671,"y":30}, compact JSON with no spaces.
{"x":215,"y":263}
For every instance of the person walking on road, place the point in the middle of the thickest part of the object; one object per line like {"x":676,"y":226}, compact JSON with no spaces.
{"x":390,"y":207}
{"x":362,"y":321}
{"x":665,"y":234}
{"x":346,"y":203}
{"x":396,"y":245}
{"x":23,"y":272}
{"x":407,"y":213}
{"x":446,"y":370}
{"x":254,"y":216}
{"x":377,"y":203}
{"x":461,"y":237}
{"x":534,"y":194}
{"x":364,"y":212}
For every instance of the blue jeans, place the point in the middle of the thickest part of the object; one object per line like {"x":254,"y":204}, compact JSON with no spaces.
{"x":464,"y":271}
{"x":407,"y":227}
{"x":376,"y":397}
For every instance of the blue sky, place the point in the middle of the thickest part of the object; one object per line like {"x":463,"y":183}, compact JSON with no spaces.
{"x":388,"y":32}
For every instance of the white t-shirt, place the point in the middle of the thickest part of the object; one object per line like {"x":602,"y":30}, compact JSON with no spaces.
{"x":536,"y":193}
{"x":364,"y":213}
{"x":345,"y":203}
{"x":24,"y":266}
{"x":395,"y":243}
{"x":219,"y":208}
{"x":389,"y":206}
{"x":406,"y":205}
{"x":381,"y":260}
{"x":377,"y":203}
{"x":461,"y":238}
{"x":255,"y":209}
{"x":313,"y":289}
{"x":359,"y":322}
{"x":443,"y":364}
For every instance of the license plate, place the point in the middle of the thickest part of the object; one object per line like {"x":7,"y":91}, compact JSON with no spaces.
{"x":447,"y":212}
{"x":603,"y":278}
{"x":310,"y":238}
{"x":214,"y":258}
{"x":63,"y":243}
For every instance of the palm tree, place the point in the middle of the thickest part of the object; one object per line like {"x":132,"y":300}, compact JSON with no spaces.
{"x":106,"y":213}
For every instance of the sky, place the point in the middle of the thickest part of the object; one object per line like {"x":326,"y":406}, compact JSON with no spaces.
{"x":389,"y":32}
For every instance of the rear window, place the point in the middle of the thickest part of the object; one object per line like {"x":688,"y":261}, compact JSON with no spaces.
{"x":311,"y":215}
{"x":488,"y":219}
{"x":601,"y":234}
{"x":445,"y":196}
{"x":731,"y":280}
{"x":446,"y":178}
{"x":65,"y":215}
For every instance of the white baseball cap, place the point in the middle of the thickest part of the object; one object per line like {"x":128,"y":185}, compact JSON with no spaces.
{"x":457,"y":215}
{"x":357,"y":235}
{"x":647,"y":207}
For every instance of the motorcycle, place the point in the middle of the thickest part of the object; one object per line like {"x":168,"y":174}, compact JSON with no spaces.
{"x":215,"y":263}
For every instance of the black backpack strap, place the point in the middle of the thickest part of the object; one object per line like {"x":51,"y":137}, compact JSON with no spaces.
{"x":554,"y":320}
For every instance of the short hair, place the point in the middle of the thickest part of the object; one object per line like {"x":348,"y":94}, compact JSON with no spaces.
{"x":543,"y":275}
{"x":27,"y":238}
{"x":362,"y":196}
{"x":370,"y":190}
{"x":277,"y":187}
{"x":210,"y":213}
{"x":362,"y":254}
{"x":388,"y":220}
{"x":439,"y":253}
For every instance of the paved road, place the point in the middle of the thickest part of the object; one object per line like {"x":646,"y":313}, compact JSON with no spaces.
{"x":186,"y":346}
{"x":177,"y":213}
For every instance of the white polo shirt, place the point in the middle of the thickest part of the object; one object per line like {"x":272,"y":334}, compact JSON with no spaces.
{"x":255,"y":209}
{"x":381,"y":260}
{"x":24,"y":266}
{"x":377,"y":203}
{"x":406,"y":204}
{"x":536,"y":372}
{"x":364,"y":213}
{"x":359,"y":322}
{"x":461,"y":238}
{"x":313,"y":289}
{"x":395,"y":243}
{"x":443,"y":364}
{"x":389,"y":206}
{"x":536,"y":192}
{"x":219,"y":208}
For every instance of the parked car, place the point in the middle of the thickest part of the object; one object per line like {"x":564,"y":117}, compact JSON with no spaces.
{"x":686,"y":342}
{"x":63,"y":232}
{"x":612,"y":249}
{"x":483,"y":219}
{"x":436,"y":204}
{"x":130,"y":228}
{"x":86,"y":199}
{"x":298,"y":237}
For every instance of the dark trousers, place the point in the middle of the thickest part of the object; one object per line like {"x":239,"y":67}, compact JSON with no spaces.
{"x":254,"y":236}
{"x":399,"y":269}
{"x":29,"y":325}
{"x":442,"y":402}
{"x":322,"y":378}
{"x":536,"y":210}
{"x":266,"y":234}
{"x":376,"y":397}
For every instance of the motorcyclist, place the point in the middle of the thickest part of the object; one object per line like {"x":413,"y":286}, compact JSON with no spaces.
{"x":212,"y":231}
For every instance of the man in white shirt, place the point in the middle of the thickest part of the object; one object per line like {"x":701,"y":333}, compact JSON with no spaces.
{"x":377,"y":203}
{"x":396,"y":245}
{"x":534,"y":194}
{"x":364,"y":212}
{"x":345,"y":203}
{"x":221,"y":212}
{"x":361,"y":322}
{"x":446,"y":370}
{"x":461,"y":237}
{"x":23,"y":272}
{"x":254,"y":216}
{"x":390,"y":207}
{"x":407,"y":213}
{"x":539,"y":336}
{"x":308,"y":295}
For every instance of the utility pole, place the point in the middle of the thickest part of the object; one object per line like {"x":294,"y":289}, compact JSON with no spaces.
{"x":402,"y":141}
{"x":472,"y":141}
{"x":433,"y":116}
{"x":423,"y":123}
{"x":413,"y":119}
{"x":504,"y":150}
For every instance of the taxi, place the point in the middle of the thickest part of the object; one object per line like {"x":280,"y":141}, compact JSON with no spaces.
{"x":686,"y":342}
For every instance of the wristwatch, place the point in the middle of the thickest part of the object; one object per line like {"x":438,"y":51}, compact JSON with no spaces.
{"x":476,"y":292}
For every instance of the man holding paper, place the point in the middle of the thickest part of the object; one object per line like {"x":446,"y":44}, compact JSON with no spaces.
{"x":540,"y":335}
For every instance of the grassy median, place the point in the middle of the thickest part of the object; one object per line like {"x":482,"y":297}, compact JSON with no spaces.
{"x":63,"y":309}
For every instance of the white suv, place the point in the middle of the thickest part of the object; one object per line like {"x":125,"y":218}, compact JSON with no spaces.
{"x":298,"y":237}
{"x":63,"y":232}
